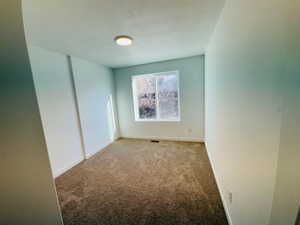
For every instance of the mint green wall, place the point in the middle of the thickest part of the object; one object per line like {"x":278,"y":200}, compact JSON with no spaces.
{"x":191,"y":126}
{"x":73,"y":96}
{"x":252,"y":108}
{"x":57,"y":105}
{"x":94,"y":84}
{"x":27,"y":190}
{"x":287,"y":190}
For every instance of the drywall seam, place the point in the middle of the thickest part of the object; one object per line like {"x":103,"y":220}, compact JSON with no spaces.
{"x":70,"y":65}
{"x":219,"y":186}
{"x":215,"y":28}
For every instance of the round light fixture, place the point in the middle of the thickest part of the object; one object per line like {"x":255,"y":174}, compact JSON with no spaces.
{"x":123,"y":40}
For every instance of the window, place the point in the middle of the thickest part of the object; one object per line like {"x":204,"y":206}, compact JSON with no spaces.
{"x":156,"y":97}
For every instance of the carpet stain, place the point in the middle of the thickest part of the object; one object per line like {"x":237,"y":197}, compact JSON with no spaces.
{"x":137,"y":182}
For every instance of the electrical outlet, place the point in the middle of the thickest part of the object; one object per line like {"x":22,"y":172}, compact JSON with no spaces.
{"x":230,"y":197}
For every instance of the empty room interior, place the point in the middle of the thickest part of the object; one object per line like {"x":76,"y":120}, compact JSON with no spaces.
{"x":136,"y":112}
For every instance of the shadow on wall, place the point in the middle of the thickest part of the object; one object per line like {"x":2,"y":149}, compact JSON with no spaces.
{"x":27,"y":190}
{"x":111,"y":118}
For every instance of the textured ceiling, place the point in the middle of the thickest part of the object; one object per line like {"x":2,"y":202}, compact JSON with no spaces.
{"x":162,"y":29}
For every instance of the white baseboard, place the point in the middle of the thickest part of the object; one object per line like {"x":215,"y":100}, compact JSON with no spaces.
{"x":89,"y":155}
{"x":60,"y":171}
{"x":219,"y":186}
{"x":188,"y":139}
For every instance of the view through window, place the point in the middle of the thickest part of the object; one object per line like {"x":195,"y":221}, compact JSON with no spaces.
{"x":156,"y":96}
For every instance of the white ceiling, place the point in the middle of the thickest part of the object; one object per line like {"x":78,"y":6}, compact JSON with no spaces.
{"x":162,"y":29}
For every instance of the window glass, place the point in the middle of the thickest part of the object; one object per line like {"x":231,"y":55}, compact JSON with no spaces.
{"x":146,"y":96}
{"x":168,"y":96}
{"x":156,"y":97}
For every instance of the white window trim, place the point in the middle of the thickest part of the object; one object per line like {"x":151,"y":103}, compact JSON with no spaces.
{"x":135,"y":100}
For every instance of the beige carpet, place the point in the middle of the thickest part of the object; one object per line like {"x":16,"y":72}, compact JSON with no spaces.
{"x":136,"y":182}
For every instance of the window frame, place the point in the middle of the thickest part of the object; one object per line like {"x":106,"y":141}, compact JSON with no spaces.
{"x":135,"y":99}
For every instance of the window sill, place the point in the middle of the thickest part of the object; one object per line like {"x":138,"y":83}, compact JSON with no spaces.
{"x":157,"y":120}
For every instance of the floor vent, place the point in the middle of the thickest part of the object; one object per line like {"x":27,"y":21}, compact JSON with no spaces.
{"x":154,"y":141}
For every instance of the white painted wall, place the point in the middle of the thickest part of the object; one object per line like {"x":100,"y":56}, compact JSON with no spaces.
{"x":56,"y":100}
{"x":95,"y":89}
{"x":191,"y":84}
{"x":245,"y":62}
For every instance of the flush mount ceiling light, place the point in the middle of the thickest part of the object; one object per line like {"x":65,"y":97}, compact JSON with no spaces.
{"x":123,"y":40}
